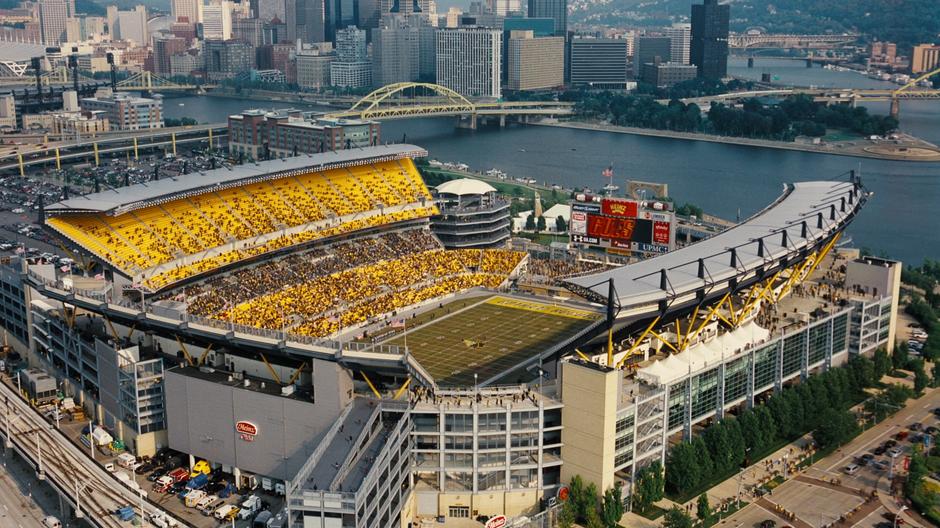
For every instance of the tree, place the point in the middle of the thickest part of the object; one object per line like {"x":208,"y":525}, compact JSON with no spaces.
{"x":782,"y":412}
{"x":901,"y":356}
{"x":702,"y":510}
{"x":920,"y":377}
{"x":916,"y":472}
{"x":540,"y":224}
{"x":882,"y":363}
{"x":649,"y":486}
{"x":936,"y":373}
{"x":612,"y":508}
{"x":706,"y":466}
{"x":719,"y":445}
{"x":835,"y":427}
{"x":560,"y":225}
{"x":530,"y":222}
{"x":684,"y":471}
{"x":676,"y":518}
{"x":567,"y":517}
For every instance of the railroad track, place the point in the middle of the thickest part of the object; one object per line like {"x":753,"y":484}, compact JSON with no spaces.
{"x":99,"y":493}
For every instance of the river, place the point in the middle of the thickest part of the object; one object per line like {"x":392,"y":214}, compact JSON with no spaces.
{"x":728,"y":180}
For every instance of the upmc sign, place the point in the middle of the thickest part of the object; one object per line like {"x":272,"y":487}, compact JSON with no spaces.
{"x":247,"y":431}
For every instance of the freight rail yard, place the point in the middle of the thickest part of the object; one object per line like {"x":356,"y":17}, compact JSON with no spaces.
{"x":298,"y":333}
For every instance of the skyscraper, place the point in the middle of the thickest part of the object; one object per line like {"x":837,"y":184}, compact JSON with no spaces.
{"x":709,"y":46}
{"x":396,"y":51}
{"x":554,"y":9}
{"x":191,"y":10}
{"x":217,"y":20}
{"x":351,"y":68}
{"x":535,"y":63}
{"x":306,"y":20}
{"x":647,"y":49}
{"x":270,"y":9}
{"x":468,"y":61}
{"x":52,"y":17}
{"x":681,"y":37}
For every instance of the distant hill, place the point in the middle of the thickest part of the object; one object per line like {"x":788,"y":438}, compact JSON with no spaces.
{"x":906,"y":22}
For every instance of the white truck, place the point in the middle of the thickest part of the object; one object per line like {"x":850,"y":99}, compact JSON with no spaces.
{"x":249,"y":507}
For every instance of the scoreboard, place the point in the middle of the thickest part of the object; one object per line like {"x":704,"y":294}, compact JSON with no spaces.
{"x":622,"y":225}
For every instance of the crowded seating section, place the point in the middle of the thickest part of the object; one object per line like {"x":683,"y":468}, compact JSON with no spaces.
{"x":162,"y":233}
{"x":326,"y":289}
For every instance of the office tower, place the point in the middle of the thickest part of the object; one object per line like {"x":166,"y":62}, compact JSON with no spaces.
{"x":225,"y":59}
{"x":132,"y":26}
{"x":306,"y":20}
{"x":396,"y":49}
{"x":666,"y":74}
{"x":163,"y":49}
{"x":647,"y":49}
{"x":504,"y":7}
{"x":599,"y":63}
{"x":540,"y":27}
{"x":709,"y":46}
{"x":250,"y":30}
{"x":557,"y":10}
{"x":681,"y":37}
{"x":191,"y":10}
{"x":468,"y":61}
{"x":271,"y":9}
{"x":925,"y":58}
{"x":535,"y":63}
{"x":404,"y":7}
{"x":217,"y":20}
{"x":313,"y":65}
{"x":52,"y":19}
{"x":351,"y":68}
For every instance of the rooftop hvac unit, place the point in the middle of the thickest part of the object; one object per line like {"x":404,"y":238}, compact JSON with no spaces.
{"x":288,"y":390}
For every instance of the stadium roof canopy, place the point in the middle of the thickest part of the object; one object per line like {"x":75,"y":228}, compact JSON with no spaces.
{"x":20,"y":51}
{"x":124,"y":199}
{"x":465,"y":187}
{"x":808,"y":212}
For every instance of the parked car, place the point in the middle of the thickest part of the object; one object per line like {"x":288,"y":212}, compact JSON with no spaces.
{"x":866,"y":459}
{"x":894,"y":452}
{"x":880,"y":450}
{"x":916,"y":426}
{"x":851,"y":469}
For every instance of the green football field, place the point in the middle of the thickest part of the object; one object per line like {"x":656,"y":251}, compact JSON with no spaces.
{"x":489,"y":337}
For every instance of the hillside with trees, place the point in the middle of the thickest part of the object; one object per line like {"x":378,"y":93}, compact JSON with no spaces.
{"x":906,"y":22}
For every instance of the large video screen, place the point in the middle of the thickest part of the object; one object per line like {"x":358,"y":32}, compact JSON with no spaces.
{"x":621,"y":225}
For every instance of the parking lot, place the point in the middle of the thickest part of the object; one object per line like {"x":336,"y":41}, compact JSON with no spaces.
{"x":216,"y":486}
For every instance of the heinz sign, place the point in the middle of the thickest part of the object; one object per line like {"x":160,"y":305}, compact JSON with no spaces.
{"x":624,"y":208}
{"x":247,"y":431}
{"x":496,"y":522}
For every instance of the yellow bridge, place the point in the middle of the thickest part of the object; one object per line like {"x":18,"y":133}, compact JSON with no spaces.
{"x":411,"y":99}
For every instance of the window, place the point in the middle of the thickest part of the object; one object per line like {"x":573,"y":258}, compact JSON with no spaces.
{"x":458,"y":423}
{"x":460,"y":512}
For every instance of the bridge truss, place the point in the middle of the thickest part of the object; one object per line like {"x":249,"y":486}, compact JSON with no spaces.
{"x":147,"y":81}
{"x":409,"y":99}
{"x":745,"y":41}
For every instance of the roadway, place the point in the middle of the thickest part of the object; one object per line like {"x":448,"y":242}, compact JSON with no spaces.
{"x":122,"y":141}
{"x":93,"y":492}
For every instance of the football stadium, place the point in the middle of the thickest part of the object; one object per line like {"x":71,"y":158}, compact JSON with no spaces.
{"x":296,"y":324}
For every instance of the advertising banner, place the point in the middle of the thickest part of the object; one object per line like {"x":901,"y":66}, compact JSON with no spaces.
{"x":622,"y":208}
{"x":661,"y":232}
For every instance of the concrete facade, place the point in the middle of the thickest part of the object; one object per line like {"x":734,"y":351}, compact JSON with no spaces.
{"x":203,"y":409}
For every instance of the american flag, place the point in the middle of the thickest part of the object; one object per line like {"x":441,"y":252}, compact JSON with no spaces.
{"x":608,"y":172}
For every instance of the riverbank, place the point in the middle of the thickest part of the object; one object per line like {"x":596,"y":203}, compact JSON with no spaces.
{"x":336,"y":101}
{"x":907,"y":148}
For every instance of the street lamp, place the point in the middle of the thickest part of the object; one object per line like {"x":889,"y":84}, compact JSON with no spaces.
{"x":898,"y":516}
